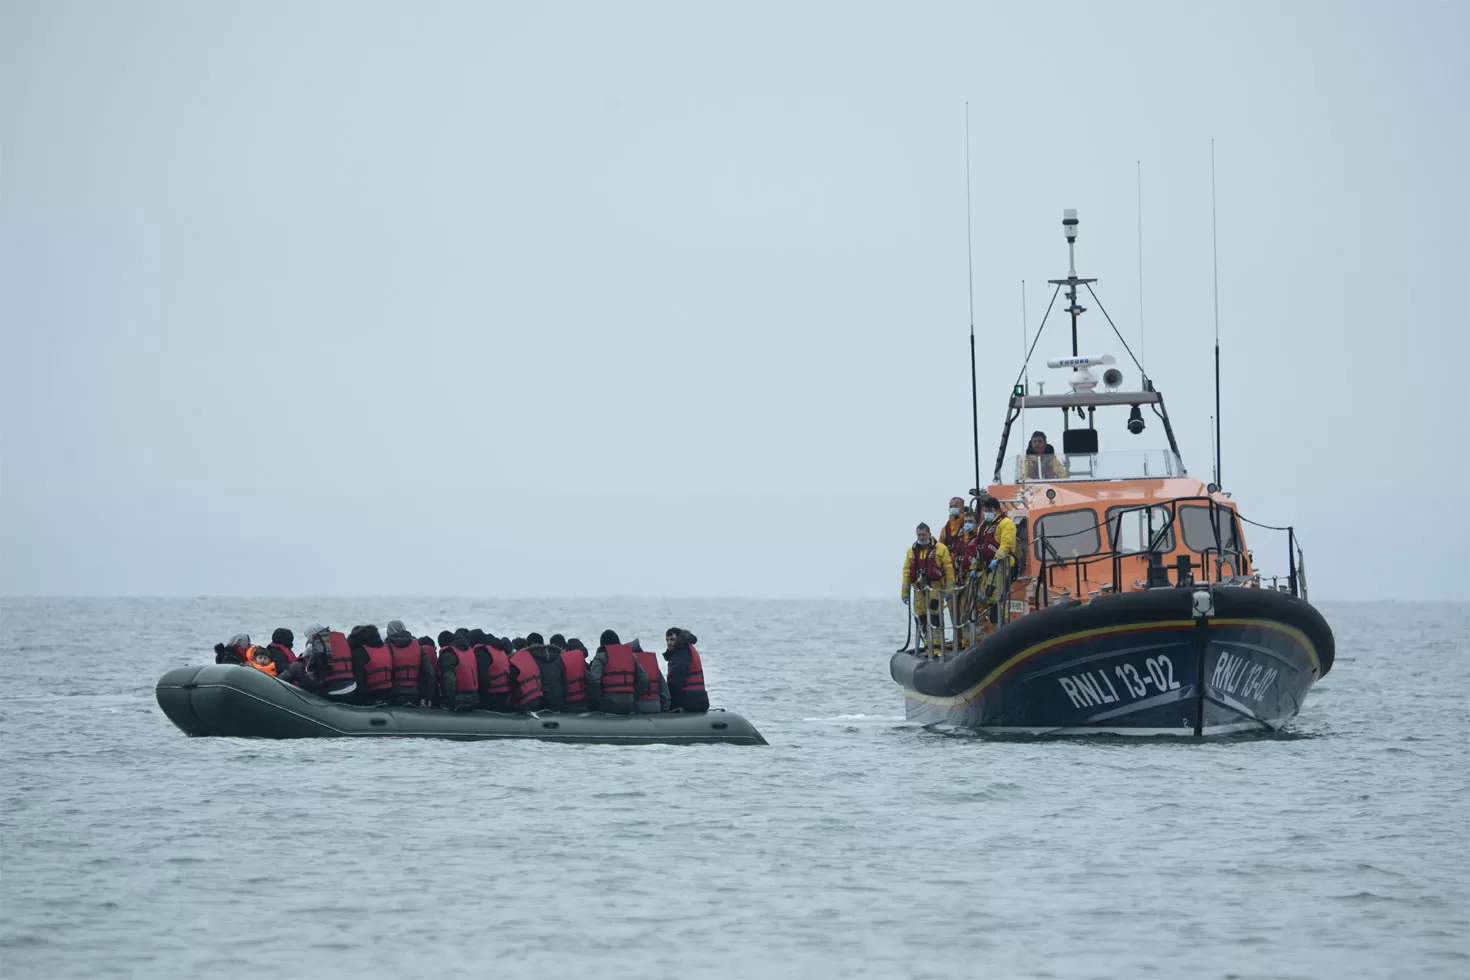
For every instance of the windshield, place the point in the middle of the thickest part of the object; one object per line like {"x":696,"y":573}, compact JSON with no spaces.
{"x":1120,"y":464}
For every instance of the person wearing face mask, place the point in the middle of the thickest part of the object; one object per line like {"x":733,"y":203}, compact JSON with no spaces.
{"x":927,"y":565}
{"x":1041,"y":459}
{"x":995,"y":555}
{"x":949,"y":535}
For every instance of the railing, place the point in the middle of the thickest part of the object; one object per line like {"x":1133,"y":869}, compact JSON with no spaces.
{"x":1123,"y":464}
{"x":954,"y":619}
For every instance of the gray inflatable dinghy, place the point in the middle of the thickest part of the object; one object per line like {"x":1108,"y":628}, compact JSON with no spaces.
{"x":229,"y":700}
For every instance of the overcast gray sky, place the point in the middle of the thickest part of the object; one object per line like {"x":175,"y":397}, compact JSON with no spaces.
{"x":669,"y":298}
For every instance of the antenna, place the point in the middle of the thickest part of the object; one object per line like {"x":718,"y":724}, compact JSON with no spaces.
{"x":1025,"y":365}
{"x":1215,"y":245}
{"x":1140,"y":268}
{"x":970,"y":268}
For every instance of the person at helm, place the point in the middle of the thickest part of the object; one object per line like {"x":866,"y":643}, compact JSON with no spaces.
{"x":1041,"y":459}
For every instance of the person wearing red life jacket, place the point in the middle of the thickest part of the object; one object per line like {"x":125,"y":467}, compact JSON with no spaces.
{"x":653,"y":696}
{"x":412,"y":671}
{"x":492,"y":654}
{"x":459,"y":673}
{"x":372,"y":664}
{"x":686,"y":672}
{"x":525,"y":675}
{"x":574,"y":670}
{"x":280,"y":649}
{"x":614,"y":677}
{"x":927,"y":566}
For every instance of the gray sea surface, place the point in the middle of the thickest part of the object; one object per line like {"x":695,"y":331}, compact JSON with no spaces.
{"x":854,"y":845}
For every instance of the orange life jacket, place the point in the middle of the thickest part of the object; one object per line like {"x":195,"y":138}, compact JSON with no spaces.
{"x":269,"y":667}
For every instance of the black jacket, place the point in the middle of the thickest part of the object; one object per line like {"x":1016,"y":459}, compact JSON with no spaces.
{"x":679,"y":661}
{"x":425,"y":689}
{"x":553,"y":677}
{"x":451,"y":697}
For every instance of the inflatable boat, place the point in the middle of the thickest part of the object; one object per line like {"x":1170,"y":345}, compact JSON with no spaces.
{"x":240,"y":702}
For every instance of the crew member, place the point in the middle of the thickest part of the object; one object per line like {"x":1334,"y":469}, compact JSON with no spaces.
{"x":926,"y":566}
{"x":653,"y":697}
{"x":686,"y":673}
{"x":949,"y":535}
{"x":459,"y":673}
{"x":1041,"y":459}
{"x":615,"y":676}
{"x":553,"y":675}
{"x":280,"y":649}
{"x":995,"y":555}
{"x":412,"y":671}
{"x":525,"y":676}
{"x":574,"y":670}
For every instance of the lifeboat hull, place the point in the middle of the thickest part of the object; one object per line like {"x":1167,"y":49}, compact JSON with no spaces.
{"x":1140,"y":663}
{"x":240,"y":702}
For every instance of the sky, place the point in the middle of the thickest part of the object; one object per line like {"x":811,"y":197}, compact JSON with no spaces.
{"x":671,"y":299}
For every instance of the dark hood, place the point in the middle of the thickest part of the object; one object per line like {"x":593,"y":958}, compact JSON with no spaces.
{"x":542,"y":652}
{"x":365,"y":636}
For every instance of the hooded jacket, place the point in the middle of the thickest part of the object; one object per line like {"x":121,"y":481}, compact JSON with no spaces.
{"x":399,"y":636}
{"x":679,"y":660}
{"x":621,"y":704}
{"x":452,"y":649}
{"x":553,"y":676}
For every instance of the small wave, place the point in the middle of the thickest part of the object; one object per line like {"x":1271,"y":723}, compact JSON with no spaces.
{"x":885,"y":719}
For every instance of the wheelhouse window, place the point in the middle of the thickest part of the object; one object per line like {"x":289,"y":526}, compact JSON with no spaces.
{"x":1194,"y":521}
{"x":1132,"y":529}
{"x":1068,"y":534}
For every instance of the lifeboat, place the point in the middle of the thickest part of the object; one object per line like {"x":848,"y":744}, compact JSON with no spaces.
{"x":1134,"y":605}
{"x":237,"y":701}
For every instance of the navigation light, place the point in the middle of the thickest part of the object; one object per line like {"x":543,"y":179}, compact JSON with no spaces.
{"x":1135,"y":421}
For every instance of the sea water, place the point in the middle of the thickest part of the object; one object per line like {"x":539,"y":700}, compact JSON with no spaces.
{"x":854,"y":845}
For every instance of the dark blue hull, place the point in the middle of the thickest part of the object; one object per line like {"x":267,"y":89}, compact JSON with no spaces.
{"x":1135,"y":664}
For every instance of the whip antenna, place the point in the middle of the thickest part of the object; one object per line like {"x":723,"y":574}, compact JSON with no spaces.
{"x":1215,"y":246}
{"x":1140,"y":269}
{"x":970,"y":269}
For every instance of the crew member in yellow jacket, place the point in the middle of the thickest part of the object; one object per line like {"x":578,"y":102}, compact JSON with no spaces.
{"x":927,"y":565}
{"x":996,"y":555}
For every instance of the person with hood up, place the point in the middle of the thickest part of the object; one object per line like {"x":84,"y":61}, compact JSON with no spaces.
{"x":653,"y":697}
{"x":494,"y":670}
{"x":431,"y":657}
{"x":686,"y":672}
{"x":280,"y":649}
{"x":234,"y":650}
{"x":553,"y":674}
{"x":614,"y":677}
{"x":412,"y":672}
{"x":574,"y":672}
{"x":525,"y":675}
{"x":459,"y":673}
{"x":372,"y":665}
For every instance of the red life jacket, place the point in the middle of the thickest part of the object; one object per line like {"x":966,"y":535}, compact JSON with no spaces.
{"x":379,"y":669}
{"x":285,"y":651}
{"x":466,"y":673}
{"x":650,"y":667}
{"x":339,"y":660}
{"x":499,"y":670}
{"x":575,"y":667}
{"x":528,"y":683}
{"x":926,"y":566}
{"x":987,"y":546}
{"x":406,"y":662}
{"x":618,"y":673}
{"x":694,"y":680}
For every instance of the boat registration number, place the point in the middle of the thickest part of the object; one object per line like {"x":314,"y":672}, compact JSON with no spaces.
{"x":1126,"y":682}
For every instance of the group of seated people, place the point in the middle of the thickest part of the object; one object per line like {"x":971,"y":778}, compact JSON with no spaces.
{"x":469,"y":669}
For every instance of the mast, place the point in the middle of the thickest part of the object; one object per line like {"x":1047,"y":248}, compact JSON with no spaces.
{"x":1215,"y":246}
{"x":970,"y":268}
